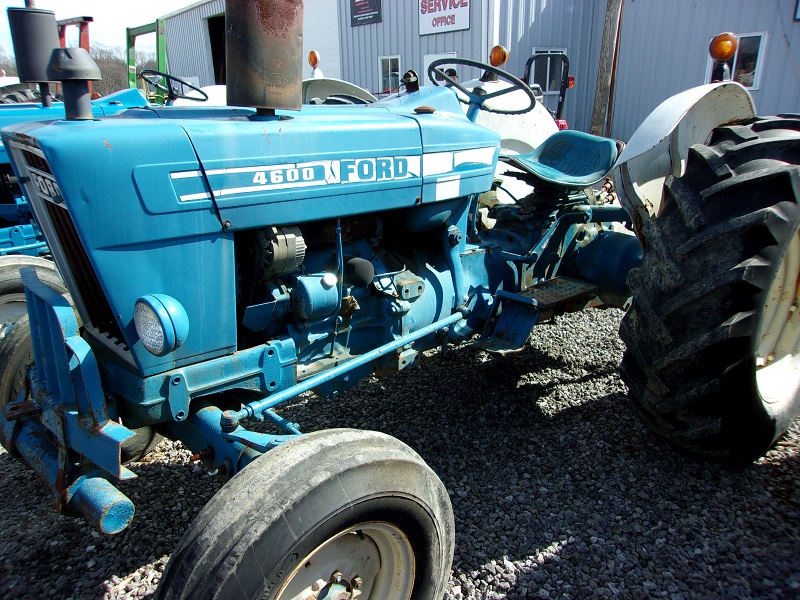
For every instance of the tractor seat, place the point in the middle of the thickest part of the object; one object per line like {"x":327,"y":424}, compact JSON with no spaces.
{"x":569,"y":159}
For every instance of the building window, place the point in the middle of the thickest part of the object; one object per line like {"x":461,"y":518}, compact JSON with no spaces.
{"x":389,"y":74}
{"x":547,"y":69}
{"x":746,"y":65}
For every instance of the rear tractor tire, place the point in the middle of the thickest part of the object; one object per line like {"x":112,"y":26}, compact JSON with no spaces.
{"x":713,"y":334}
{"x":19,"y":96}
{"x":331,"y":514}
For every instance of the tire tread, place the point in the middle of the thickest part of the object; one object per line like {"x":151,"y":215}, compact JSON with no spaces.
{"x":698,"y":293}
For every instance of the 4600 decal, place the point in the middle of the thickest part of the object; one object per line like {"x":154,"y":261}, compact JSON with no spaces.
{"x":288,"y":175}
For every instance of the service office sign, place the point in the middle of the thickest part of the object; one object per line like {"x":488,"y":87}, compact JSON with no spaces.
{"x":438,"y":16}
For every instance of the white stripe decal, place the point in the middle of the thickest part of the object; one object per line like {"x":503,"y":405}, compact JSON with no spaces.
{"x":193,"y":197}
{"x":185,"y":174}
{"x":448,"y":187}
{"x":437,"y":163}
{"x":258,"y":188}
{"x":483,"y":156}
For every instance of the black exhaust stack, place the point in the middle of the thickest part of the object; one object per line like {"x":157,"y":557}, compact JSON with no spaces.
{"x":34,"y":34}
{"x":264,"y":54}
{"x":74,"y":68}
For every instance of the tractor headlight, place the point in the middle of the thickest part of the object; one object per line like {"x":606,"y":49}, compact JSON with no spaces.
{"x":161,"y":323}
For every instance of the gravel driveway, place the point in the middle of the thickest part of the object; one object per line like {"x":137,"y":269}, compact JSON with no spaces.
{"x":557,"y":489}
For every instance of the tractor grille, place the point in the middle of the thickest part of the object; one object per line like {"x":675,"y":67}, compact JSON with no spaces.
{"x":36,"y":161}
{"x":94,"y":299}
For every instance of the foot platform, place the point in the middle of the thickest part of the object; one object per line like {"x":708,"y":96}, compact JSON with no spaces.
{"x":518,"y":313}
{"x":561,"y":292}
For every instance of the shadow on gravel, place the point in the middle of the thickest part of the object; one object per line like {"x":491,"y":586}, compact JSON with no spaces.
{"x":71,"y":560}
{"x":556,"y":489}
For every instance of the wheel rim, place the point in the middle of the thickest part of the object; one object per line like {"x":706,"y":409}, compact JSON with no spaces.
{"x":12,"y":307}
{"x":778,"y":352}
{"x":375,"y":558}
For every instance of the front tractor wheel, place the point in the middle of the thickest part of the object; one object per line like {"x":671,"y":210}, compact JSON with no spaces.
{"x":12,"y":292}
{"x":332,"y":514}
{"x":713,"y":334}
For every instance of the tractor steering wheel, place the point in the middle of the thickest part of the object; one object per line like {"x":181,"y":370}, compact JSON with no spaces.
{"x":173,"y":87}
{"x":477,"y":100}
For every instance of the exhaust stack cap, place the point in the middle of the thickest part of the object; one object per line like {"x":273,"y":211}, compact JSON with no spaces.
{"x":74,"y":68}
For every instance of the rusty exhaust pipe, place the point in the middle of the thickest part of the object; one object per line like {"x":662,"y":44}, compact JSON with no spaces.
{"x":264,"y":54}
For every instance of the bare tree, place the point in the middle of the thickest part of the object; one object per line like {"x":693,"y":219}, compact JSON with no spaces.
{"x":114,"y":67}
{"x":145,"y":60}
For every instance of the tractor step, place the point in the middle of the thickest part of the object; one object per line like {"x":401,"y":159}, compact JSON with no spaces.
{"x":561,"y":292}
{"x":520,"y":312}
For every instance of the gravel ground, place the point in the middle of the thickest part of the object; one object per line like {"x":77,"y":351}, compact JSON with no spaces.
{"x":557,"y":490}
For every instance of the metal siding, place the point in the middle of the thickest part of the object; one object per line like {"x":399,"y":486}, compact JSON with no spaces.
{"x":398,"y":34}
{"x":188,"y":46}
{"x":321,"y":33}
{"x":576,"y":25}
{"x":646,"y":76}
{"x":779,"y":91}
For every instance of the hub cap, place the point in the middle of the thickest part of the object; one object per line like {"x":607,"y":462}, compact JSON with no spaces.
{"x":778,"y":351}
{"x":369,"y":561}
{"x":12,"y":308}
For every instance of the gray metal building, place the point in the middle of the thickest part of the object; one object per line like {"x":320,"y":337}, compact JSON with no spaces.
{"x":664,"y":49}
{"x":663,"y":46}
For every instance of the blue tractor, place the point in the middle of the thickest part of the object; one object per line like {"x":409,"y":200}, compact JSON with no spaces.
{"x":222,"y":260}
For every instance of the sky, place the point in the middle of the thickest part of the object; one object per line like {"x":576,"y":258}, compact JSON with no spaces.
{"x":111,"y":17}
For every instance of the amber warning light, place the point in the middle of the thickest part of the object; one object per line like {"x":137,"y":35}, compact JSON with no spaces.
{"x":498,"y":56}
{"x":723,"y":47}
{"x":313,"y":59}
